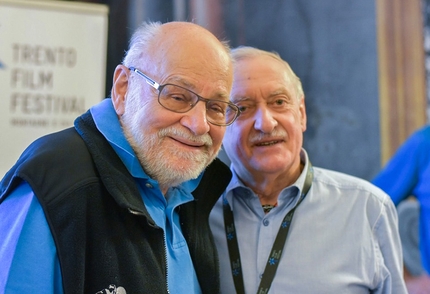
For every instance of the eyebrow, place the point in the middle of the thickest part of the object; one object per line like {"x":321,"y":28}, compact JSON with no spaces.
{"x":181,"y":81}
{"x":279,"y":91}
{"x":186,"y":84}
{"x":241,"y":99}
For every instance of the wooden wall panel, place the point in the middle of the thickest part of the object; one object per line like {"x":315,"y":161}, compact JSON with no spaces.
{"x":402,"y":86}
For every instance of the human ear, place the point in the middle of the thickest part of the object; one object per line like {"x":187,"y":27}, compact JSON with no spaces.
{"x":302,"y":109}
{"x":119,"y":89}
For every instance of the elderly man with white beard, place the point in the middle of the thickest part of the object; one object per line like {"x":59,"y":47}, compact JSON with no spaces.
{"x":121,"y":200}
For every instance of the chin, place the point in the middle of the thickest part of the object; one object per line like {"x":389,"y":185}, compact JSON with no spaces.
{"x":270,"y":166}
{"x":171,"y":170}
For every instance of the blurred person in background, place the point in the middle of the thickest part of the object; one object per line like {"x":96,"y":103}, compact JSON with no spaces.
{"x":406,"y":178}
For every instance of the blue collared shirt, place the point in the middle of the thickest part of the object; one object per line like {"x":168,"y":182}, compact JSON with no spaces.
{"x":29,"y":260}
{"x":343,"y":237}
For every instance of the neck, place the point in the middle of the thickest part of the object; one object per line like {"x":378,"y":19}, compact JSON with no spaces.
{"x":268,"y":186}
{"x":268,"y":199}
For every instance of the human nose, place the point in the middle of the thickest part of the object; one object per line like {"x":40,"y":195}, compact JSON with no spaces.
{"x":264,"y":120}
{"x":195,"y":119}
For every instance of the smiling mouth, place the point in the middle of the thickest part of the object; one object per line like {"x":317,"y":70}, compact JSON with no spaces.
{"x":269,"y":143}
{"x":189,"y":143}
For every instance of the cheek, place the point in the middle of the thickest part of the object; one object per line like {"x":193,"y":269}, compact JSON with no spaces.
{"x":227,"y":143}
{"x":234,"y":140}
{"x":217,"y":135}
{"x":154,"y":116}
{"x":292,"y":123}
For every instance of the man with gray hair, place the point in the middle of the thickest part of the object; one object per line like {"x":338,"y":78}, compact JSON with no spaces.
{"x":284,"y":226}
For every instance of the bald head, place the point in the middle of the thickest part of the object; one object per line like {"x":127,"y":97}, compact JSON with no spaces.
{"x":173,"y":61}
{"x":156,"y":44}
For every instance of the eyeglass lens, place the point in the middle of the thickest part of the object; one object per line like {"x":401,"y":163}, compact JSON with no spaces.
{"x":178,"y":99}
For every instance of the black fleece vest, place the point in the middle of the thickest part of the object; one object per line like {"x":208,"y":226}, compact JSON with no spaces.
{"x":102,"y":230}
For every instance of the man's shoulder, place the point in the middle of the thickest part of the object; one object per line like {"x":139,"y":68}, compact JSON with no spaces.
{"x":59,"y":142}
{"x":60,"y":156}
{"x":348,"y":184}
{"x":55,"y":150}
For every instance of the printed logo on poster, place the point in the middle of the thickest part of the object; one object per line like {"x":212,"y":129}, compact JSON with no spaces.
{"x":52,"y":68}
{"x":40,"y":95}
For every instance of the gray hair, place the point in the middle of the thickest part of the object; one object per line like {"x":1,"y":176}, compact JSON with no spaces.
{"x":140,"y":42}
{"x":244,"y":52}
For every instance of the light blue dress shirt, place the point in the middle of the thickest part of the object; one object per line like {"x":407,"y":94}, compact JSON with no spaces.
{"x":343,"y":237}
{"x":29,"y":262}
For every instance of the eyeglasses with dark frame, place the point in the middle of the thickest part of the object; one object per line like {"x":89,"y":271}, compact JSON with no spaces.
{"x":180,"y":100}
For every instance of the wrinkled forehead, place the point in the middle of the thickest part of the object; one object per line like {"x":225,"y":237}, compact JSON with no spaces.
{"x":259,"y":67}
{"x":188,"y":43}
{"x":260,"y":76}
{"x":199,"y":56}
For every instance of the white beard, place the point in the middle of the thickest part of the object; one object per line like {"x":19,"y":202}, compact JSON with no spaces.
{"x":167,"y":164}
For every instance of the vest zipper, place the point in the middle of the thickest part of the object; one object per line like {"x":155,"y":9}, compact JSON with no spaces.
{"x":165,"y":248}
{"x":167,"y":265}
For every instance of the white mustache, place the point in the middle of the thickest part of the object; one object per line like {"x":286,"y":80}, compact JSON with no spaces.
{"x":257,"y":137}
{"x":171,"y":131}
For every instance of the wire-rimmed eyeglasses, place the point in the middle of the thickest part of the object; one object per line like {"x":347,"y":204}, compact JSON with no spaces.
{"x":179,"y":99}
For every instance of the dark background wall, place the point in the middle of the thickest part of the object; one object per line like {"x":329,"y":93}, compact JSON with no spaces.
{"x":331,"y":45}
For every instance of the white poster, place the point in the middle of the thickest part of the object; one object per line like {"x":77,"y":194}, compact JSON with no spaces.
{"x":52,"y":68}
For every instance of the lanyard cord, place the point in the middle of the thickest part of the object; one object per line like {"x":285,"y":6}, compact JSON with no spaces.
{"x":277,"y":248}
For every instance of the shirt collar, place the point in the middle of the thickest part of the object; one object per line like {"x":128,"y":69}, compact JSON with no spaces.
{"x":238,"y":185}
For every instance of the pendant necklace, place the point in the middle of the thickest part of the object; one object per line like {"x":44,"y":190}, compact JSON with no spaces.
{"x":268,"y":207}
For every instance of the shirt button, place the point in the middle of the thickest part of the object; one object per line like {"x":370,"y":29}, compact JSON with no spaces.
{"x":266,"y":222}
{"x":148,"y":185}
{"x":261,"y":276}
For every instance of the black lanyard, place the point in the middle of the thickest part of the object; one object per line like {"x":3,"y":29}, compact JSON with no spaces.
{"x":277,"y":248}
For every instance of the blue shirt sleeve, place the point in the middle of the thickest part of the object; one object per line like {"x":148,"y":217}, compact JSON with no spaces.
{"x":408,"y":173}
{"x":403,"y":175}
{"x":29,"y":261}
